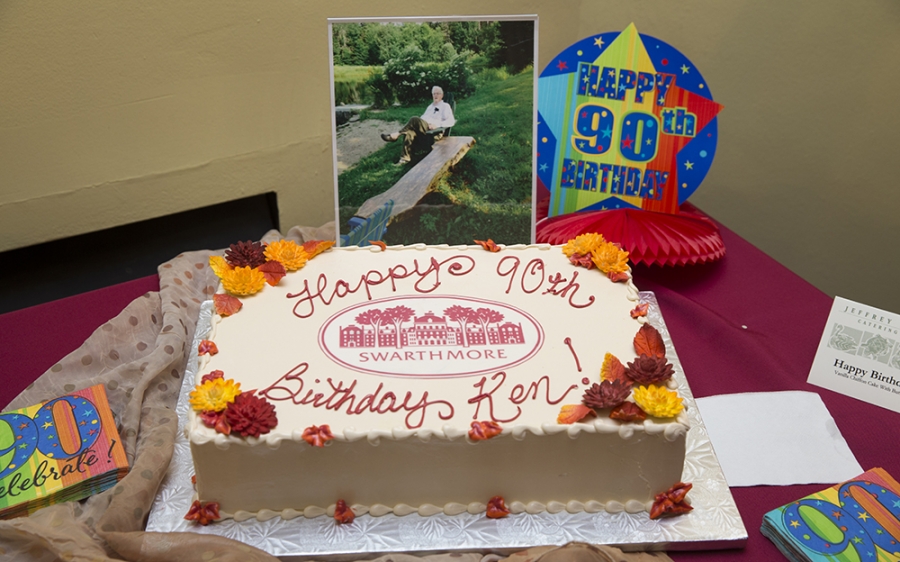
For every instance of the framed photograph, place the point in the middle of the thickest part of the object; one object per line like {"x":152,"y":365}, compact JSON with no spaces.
{"x":434,"y":123}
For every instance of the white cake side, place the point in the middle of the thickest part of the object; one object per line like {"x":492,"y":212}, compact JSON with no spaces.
{"x":400,"y":387}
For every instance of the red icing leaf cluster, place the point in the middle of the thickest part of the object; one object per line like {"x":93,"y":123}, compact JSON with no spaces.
{"x":496,"y":508}
{"x":216,"y":420}
{"x":203,"y":513}
{"x":607,"y":394}
{"x":207,"y":346}
{"x":212,"y":375}
{"x":583,"y":260}
{"x":317,"y":435}
{"x":488,"y":245}
{"x":342,"y":513}
{"x":484,"y":430}
{"x":245,"y":254}
{"x":640,"y":310}
{"x":647,"y":370}
{"x":617,"y":276}
{"x":251,"y":415}
{"x":671,"y":502}
{"x":628,"y":412}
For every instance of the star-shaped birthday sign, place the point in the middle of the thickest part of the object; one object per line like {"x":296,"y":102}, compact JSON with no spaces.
{"x":627,"y":117}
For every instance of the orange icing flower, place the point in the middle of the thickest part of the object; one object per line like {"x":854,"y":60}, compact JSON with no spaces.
{"x":214,"y":395}
{"x":243,"y":281}
{"x":609,"y":258}
{"x":658,"y":401}
{"x":291,"y":255}
{"x":583,"y":244}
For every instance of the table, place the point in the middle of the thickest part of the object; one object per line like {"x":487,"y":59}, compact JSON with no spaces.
{"x":742,"y":324}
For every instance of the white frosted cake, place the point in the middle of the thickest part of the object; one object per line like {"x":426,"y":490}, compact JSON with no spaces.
{"x":398,"y":351}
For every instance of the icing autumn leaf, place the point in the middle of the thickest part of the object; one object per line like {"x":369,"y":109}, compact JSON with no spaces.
{"x":610,"y":258}
{"x":214,"y":395}
{"x":640,"y":310}
{"x":488,"y":245}
{"x":342,"y":513}
{"x":628,"y":412}
{"x":212,"y":375}
{"x":219,"y":265}
{"x":617,"y":277}
{"x":243,"y":281}
{"x":316,"y":247}
{"x":288,"y":253}
{"x":317,"y":435}
{"x":658,"y":401}
{"x":273,"y":271}
{"x":612,"y":369}
{"x":649,"y":342}
{"x":582,"y":260}
{"x":482,"y":431}
{"x":217,"y":421}
{"x":583,"y":244}
{"x":226,"y":304}
{"x":571,"y":413}
{"x":671,"y":502}
{"x":496,"y":508}
{"x":203,"y":513}
{"x":207,"y":346}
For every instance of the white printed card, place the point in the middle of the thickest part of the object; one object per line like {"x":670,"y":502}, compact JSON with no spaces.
{"x":859,"y":354}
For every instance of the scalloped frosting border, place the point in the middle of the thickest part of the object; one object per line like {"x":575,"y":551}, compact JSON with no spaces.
{"x":428,"y":510}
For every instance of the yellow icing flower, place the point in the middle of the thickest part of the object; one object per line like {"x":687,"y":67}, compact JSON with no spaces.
{"x":214,"y":395}
{"x":609,"y":258}
{"x":219,"y":265}
{"x":291,"y":255}
{"x":658,"y":401}
{"x":583,"y":244}
{"x":243,"y":281}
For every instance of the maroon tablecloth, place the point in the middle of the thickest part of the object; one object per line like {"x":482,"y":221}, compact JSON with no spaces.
{"x":742,"y":324}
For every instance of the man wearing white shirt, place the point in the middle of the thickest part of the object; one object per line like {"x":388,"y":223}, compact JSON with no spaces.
{"x":437,"y":115}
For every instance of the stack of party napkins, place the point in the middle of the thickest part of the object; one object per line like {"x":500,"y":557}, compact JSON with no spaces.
{"x":64,"y":449}
{"x":856,"y":520}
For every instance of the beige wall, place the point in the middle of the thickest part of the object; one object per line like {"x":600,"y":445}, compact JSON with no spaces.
{"x":115,"y":111}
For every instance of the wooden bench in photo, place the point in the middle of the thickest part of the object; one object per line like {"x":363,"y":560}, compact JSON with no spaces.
{"x":368,"y":228}
{"x":422,"y":178}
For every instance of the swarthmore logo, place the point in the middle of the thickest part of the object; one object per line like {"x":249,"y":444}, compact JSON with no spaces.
{"x":429,"y":336}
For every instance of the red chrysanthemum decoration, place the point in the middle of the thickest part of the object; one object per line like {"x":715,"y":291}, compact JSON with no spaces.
{"x":671,"y":502}
{"x":245,"y":254}
{"x":607,"y":394}
{"x":251,"y":415}
{"x":342,"y":513}
{"x":496,"y":508}
{"x":646,"y":370}
{"x":203,"y":513}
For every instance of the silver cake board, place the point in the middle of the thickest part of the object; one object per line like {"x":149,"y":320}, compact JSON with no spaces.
{"x":714,"y":522}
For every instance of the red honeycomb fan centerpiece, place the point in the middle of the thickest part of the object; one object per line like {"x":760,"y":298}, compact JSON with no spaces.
{"x":651,"y":238}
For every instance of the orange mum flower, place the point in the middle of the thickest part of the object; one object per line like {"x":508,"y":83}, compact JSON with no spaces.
{"x":243,"y":281}
{"x":583,"y":244}
{"x":609,"y":258}
{"x":291,"y":255}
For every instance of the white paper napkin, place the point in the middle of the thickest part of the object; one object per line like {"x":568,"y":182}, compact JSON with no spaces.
{"x":776,"y":438}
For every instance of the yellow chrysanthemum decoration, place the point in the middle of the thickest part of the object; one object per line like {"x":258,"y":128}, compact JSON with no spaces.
{"x":658,"y":401}
{"x":609,"y":258}
{"x":291,"y":255}
{"x":214,"y":395}
{"x":243,"y":281}
{"x":583,"y":244}
{"x":219,"y":265}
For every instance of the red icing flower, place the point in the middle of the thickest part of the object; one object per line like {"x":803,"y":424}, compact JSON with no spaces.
{"x":317,"y":435}
{"x":488,"y":245}
{"x":617,"y":277}
{"x":251,"y":415}
{"x":484,"y":430}
{"x":203,"y":513}
{"x":207,"y":346}
{"x":496,"y":508}
{"x":671,"y":502}
{"x":245,"y":254}
{"x":216,"y":420}
{"x":583,"y":260}
{"x":212,"y":375}
{"x":342,"y":513}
